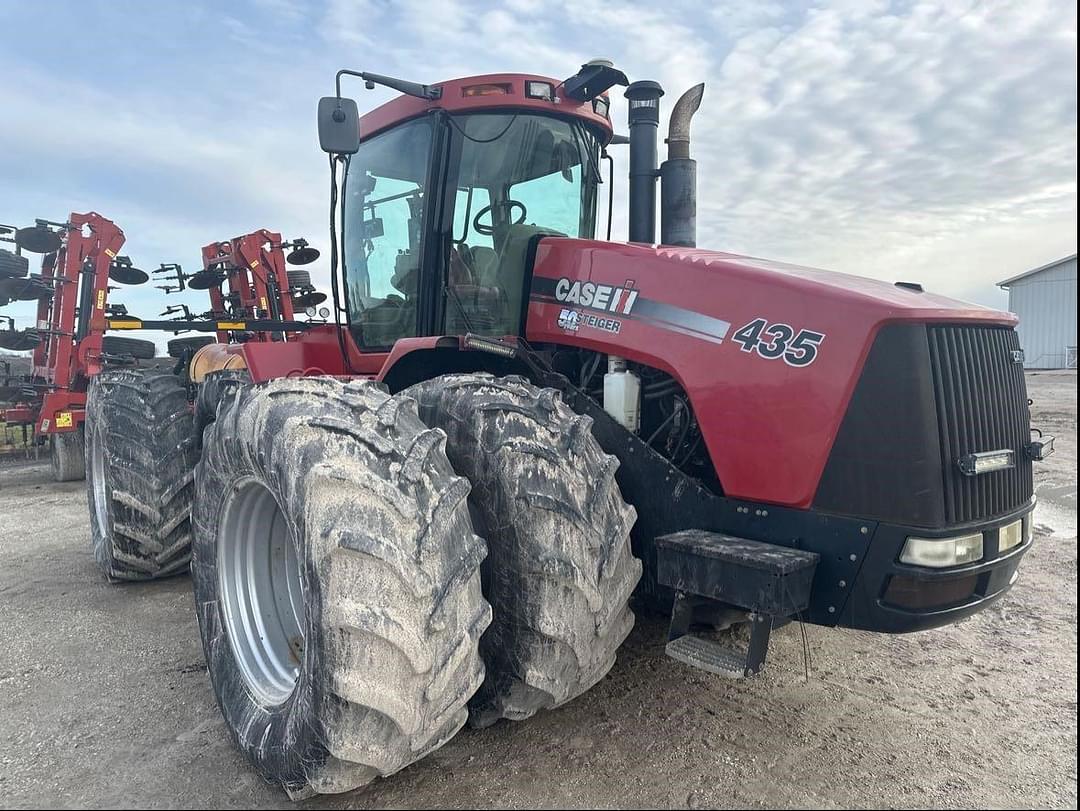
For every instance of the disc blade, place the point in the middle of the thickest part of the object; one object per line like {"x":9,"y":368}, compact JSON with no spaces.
{"x":205,"y":279}
{"x":37,"y":239}
{"x":126,"y":274}
{"x":302,"y":256}
{"x":302,"y":302}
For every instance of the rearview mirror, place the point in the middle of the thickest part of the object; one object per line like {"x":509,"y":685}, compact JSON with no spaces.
{"x":339,"y":125}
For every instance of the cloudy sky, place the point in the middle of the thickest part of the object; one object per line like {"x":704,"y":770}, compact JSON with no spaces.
{"x":924,"y":141}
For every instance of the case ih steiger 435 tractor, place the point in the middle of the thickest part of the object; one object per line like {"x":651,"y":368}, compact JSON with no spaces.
{"x":441,"y":509}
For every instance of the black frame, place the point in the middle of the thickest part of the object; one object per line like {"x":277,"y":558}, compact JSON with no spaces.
{"x":857,"y":556}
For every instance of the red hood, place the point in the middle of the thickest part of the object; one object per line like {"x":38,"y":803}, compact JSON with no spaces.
{"x":885,"y":298}
{"x":688,"y":312}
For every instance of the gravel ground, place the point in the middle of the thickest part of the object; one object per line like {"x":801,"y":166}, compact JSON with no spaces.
{"x":104,"y":701}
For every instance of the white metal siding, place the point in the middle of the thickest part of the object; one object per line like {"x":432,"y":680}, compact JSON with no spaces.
{"x":1046,"y":304}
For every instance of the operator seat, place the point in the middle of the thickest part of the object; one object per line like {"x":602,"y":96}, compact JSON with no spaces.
{"x":485,"y":265}
{"x":512,"y":256}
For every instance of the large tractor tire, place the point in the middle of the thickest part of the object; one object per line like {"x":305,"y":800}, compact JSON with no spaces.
{"x":299,"y":279}
{"x":134,"y":347}
{"x":186,"y":347}
{"x":13,"y":266}
{"x":68,"y":456}
{"x":337,"y":582}
{"x":560,"y":571}
{"x":142,"y":451}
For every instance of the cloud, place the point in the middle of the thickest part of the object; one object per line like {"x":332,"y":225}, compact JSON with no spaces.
{"x":884,"y":140}
{"x":934,"y":142}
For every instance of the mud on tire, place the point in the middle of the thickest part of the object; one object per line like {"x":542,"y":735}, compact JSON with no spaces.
{"x":560,"y":571}
{"x":370,"y":664}
{"x":141,"y":451}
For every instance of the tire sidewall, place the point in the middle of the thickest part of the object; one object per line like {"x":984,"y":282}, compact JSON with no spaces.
{"x":279,"y":739}
{"x":64,"y":449}
{"x":100,"y":536}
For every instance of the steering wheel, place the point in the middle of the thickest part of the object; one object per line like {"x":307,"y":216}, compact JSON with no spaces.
{"x":488,"y":230}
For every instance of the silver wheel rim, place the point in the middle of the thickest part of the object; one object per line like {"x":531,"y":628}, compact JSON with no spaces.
{"x":97,"y":466}
{"x":261,"y":590}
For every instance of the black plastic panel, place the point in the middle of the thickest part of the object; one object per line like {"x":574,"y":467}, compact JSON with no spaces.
{"x":886,"y":463}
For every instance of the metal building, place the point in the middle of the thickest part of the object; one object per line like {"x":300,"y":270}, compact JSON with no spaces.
{"x":1045,"y":300}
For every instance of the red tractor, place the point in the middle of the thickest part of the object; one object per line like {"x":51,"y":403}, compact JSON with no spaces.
{"x":440,"y":508}
{"x":67,"y":340}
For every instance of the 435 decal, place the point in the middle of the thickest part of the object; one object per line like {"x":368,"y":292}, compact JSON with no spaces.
{"x":772,"y":341}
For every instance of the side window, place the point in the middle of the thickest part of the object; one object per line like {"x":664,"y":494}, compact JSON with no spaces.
{"x":384,"y":209}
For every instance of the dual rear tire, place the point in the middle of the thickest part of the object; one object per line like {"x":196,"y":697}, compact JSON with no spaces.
{"x":337,"y":582}
{"x":559,"y":573}
{"x":341,"y":590}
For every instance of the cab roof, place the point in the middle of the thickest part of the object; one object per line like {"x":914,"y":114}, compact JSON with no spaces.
{"x":506,"y":91}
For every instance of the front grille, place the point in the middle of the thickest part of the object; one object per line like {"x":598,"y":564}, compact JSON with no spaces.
{"x":981,"y":406}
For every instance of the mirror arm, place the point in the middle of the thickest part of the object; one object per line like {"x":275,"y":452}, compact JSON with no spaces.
{"x":420,"y":91}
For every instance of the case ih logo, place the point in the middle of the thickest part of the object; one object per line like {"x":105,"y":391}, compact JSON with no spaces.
{"x":601,"y":297}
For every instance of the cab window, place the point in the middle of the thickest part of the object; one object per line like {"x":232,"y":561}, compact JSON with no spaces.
{"x":383,"y":233}
{"x":517,"y":177}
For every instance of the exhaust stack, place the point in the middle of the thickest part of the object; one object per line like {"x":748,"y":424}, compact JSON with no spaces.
{"x":644,"y":98}
{"x":678,"y":175}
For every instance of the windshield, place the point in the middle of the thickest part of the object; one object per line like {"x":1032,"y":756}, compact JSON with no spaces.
{"x":518,"y":177}
{"x":509,"y":178}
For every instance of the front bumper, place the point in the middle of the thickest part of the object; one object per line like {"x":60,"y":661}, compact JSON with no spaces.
{"x":893,"y":597}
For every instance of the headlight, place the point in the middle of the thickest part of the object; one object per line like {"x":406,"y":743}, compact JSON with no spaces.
{"x":940,"y":553}
{"x":1010,"y":535}
{"x":539,"y":90}
{"x":975,"y":464}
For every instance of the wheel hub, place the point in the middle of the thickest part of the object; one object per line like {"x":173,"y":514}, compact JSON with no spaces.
{"x":261,"y":590}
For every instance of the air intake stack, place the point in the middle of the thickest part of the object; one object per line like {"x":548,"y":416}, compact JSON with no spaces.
{"x":644,"y":98}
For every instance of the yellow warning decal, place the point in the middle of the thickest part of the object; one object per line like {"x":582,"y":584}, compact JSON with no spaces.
{"x":230,"y":325}
{"x":120,"y":323}
{"x":111,"y":253}
{"x":254,"y":263}
{"x":101,"y":299}
{"x":63,"y":419}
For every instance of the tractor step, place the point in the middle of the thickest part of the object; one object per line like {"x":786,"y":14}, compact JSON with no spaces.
{"x":705,"y":654}
{"x":770,"y":582}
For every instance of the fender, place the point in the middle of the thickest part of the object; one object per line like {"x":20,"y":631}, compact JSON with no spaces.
{"x":316,"y":352}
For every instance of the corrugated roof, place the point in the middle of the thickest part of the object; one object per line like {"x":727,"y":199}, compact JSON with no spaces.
{"x":1039,"y":269}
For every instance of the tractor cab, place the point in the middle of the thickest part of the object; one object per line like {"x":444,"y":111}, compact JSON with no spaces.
{"x":444,"y":198}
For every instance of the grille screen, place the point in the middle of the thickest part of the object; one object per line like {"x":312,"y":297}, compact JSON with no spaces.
{"x":981,"y":406}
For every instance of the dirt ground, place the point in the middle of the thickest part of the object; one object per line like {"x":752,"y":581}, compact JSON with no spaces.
{"x":104,"y":701}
